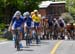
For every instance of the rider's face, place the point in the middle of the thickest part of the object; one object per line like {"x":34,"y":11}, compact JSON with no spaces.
{"x":27,"y":16}
{"x":17,"y":16}
{"x":36,"y":13}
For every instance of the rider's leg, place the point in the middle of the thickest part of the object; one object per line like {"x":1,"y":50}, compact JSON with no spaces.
{"x":30,"y":35}
{"x":36,"y":26}
{"x":21,"y":46}
{"x":38,"y":34}
{"x":13,"y":35}
{"x":62,"y":33}
{"x":33,"y":33}
{"x":25,"y":30}
{"x":50,"y":33}
{"x":21,"y":37}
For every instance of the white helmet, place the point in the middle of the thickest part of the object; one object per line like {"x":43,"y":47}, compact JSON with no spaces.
{"x":43,"y":17}
{"x":26,"y":14}
{"x":54,"y":19}
{"x":17,"y":13}
{"x":60,"y":18}
{"x":35,"y":11}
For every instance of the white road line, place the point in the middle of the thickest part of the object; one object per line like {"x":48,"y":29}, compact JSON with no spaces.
{"x":4,"y":42}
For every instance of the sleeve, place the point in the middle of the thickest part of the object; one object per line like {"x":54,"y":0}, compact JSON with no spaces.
{"x":64,"y":23}
{"x":31,"y":19}
{"x":25,"y":20}
{"x":13,"y":20}
{"x":22,"y":20}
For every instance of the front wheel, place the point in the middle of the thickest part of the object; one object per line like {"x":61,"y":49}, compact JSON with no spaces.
{"x":27,"y":40}
{"x":17,"y":44}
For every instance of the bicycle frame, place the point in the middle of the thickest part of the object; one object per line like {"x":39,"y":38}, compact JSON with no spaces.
{"x":17,"y":39}
{"x":28,"y":37}
{"x":36,"y":35}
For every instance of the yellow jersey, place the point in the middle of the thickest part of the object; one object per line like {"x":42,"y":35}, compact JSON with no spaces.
{"x":37,"y":18}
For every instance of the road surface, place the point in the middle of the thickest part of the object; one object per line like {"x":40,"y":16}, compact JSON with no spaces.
{"x":46,"y":47}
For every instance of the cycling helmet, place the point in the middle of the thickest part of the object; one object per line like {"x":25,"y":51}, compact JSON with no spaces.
{"x":17,"y":13}
{"x":35,"y":11}
{"x":26,"y":14}
{"x":32,"y":13}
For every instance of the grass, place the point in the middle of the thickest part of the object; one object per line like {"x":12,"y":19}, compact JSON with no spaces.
{"x":1,"y":32}
{"x":2,"y":39}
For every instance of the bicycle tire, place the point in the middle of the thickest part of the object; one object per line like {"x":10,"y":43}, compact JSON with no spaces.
{"x":17,"y":41}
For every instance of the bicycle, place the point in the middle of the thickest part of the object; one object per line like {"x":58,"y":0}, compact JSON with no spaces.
{"x":36,"y":35}
{"x":17,"y":38}
{"x":28,"y":37}
{"x":72,"y":34}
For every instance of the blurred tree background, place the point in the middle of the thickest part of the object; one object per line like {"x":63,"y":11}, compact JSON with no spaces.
{"x":8,"y":7}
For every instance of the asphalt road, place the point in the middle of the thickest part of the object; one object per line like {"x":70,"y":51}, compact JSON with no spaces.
{"x":66,"y":47}
{"x":46,"y":47}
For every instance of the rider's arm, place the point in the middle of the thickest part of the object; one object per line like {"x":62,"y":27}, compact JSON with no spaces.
{"x":33,"y":17}
{"x":11,"y":23}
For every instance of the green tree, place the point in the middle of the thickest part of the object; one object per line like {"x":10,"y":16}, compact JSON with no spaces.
{"x":8,"y":7}
{"x":67,"y":17}
{"x":70,"y":5}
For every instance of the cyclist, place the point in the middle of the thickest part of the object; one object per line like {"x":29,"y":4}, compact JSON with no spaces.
{"x":37,"y":21}
{"x":32,"y":13}
{"x":10,"y":27}
{"x":27,"y":24}
{"x":61,"y":27}
{"x":50,"y":27}
{"x":72,"y":30}
{"x":55,"y":28}
{"x":17,"y":22}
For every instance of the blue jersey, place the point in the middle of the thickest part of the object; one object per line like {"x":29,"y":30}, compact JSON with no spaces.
{"x":28,"y":21}
{"x":17,"y":22}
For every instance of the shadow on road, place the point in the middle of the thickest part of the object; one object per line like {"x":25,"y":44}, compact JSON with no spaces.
{"x":35,"y":45}
{"x":26,"y":50}
{"x":45,"y":43}
{"x":26,"y":47}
